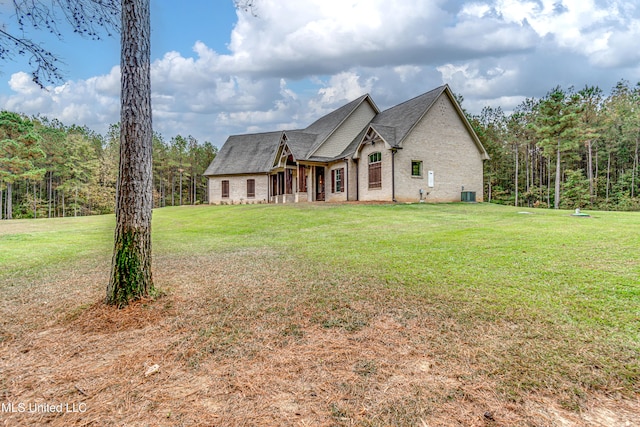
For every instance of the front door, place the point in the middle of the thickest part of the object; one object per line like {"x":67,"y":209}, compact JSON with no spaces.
{"x":319,"y":183}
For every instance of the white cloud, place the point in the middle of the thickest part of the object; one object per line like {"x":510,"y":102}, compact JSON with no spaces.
{"x":405,"y":72}
{"x":472,"y":81}
{"x":477,"y":10}
{"x":599,"y":30}
{"x":22,"y":83}
{"x":298,"y":60}
{"x":343,"y":87}
{"x":93,"y":102}
{"x":618,"y":48}
{"x":324,"y":36}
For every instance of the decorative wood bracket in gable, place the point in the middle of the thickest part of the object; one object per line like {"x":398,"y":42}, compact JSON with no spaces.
{"x":370,"y":137}
{"x":284,"y":154}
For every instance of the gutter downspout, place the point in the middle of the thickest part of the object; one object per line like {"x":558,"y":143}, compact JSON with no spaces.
{"x":357,"y":179}
{"x":393,"y":174}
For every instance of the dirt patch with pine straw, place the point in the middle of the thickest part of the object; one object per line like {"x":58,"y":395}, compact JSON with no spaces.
{"x":254,"y":338}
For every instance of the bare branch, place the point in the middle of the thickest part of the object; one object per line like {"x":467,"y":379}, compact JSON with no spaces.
{"x":43,"y":62}
{"x":88,"y":18}
{"x":246,"y":5}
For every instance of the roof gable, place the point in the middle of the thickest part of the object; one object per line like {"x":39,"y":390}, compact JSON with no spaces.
{"x":300,"y":142}
{"x":325,"y":126}
{"x":396,"y":123}
{"x":404,"y":117}
{"x":387,"y":133}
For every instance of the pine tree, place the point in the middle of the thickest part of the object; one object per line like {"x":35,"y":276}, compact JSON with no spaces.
{"x":19,"y":149}
{"x":131,"y":277}
{"x":555,"y":126}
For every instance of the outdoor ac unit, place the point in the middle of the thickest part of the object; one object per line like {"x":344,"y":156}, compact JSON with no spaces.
{"x":468,"y":196}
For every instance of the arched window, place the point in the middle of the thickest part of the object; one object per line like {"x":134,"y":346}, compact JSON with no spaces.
{"x":375,"y":170}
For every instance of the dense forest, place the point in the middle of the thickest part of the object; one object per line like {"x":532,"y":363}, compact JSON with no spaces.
{"x":49,"y":170}
{"x":570,"y":149}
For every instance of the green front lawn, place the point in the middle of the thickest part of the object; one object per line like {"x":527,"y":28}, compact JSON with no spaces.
{"x":536,"y":301}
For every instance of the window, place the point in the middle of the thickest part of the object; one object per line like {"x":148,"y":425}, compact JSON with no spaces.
{"x":416,"y":168}
{"x":251,"y":188}
{"x":225,"y":188}
{"x":337,"y":177}
{"x":375,"y":170}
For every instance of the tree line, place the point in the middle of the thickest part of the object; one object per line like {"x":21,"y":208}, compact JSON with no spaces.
{"x":48,"y":169}
{"x":570,"y":149}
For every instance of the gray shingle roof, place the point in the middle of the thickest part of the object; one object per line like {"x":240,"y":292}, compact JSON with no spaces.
{"x":403,"y":117}
{"x":388,"y":133}
{"x":254,"y":153}
{"x":300,"y":143}
{"x":241,"y":154}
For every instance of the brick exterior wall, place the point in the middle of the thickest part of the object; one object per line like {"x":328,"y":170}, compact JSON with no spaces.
{"x":443,"y":144}
{"x":378,"y":194}
{"x":238,"y":189}
{"x":341,"y":196}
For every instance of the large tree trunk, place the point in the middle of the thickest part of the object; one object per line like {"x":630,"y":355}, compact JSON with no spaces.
{"x":527,"y":158}
{"x":549,"y":182}
{"x":195,"y":189}
{"x":180,"y":188}
{"x":50,"y":189}
{"x":608,"y":177}
{"x":635,"y":169}
{"x":517,"y":170}
{"x":541,"y":176}
{"x":9,"y":203}
{"x":590,"y":170}
{"x":75,"y":203}
{"x":595,"y":177}
{"x":556,"y":200}
{"x":131,"y":264}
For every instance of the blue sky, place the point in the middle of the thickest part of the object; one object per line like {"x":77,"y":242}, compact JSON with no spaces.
{"x":217,"y":71}
{"x":174,"y":28}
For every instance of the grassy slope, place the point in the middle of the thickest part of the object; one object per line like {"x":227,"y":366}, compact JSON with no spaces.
{"x":565,"y":290}
{"x":573,"y":282}
{"x":485,"y":260}
{"x":495,"y":260}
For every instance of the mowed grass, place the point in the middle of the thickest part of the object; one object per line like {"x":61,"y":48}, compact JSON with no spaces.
{"x":534,"y":301}
{"x":485,"y":260}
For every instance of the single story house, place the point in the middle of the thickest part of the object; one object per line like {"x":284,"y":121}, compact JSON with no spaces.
{"x":423,"y":150}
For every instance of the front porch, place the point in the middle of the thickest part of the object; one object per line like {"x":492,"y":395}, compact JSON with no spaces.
{"x":291,"y":183}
